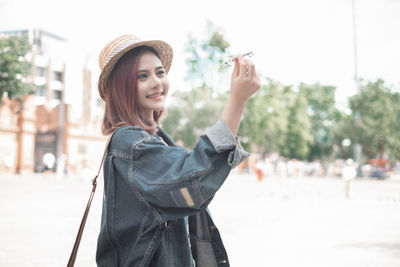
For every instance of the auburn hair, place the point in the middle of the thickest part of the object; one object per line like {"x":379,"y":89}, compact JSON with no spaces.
{"x":121,"y":105}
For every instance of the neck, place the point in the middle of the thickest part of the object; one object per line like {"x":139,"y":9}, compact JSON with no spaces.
{"x":148,"y":119}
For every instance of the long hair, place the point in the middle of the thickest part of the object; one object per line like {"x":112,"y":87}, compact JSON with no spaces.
{"x":121,"y":105}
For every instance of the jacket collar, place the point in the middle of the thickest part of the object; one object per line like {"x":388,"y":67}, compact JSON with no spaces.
{"x":166,"y":137}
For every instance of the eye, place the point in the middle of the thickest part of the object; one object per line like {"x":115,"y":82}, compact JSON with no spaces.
{"x":141,"y":76}
{"x":161,"y":72}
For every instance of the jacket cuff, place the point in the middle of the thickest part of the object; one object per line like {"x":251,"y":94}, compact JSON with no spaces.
{"x":222,"y":139}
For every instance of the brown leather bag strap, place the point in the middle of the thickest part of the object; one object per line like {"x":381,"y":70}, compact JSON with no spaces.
{"x":74,"y":252}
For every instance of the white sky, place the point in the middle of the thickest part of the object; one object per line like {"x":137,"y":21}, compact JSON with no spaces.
{"x":293,"y":40}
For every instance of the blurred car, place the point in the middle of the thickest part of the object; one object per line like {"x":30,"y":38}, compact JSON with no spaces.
{"x":380,"y":168}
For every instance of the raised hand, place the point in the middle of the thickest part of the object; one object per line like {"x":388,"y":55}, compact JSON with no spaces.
{"x":245,"y":81}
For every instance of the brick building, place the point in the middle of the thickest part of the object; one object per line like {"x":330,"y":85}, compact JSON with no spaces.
{"x":51,"y":123}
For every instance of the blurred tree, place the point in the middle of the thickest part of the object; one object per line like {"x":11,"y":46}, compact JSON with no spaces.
{"x":298,"y":135}
{"x":395,"y":131}
{"x":323,"y":116}
{"x":341,"y":131}
{"x":14,"y":67}
{"x":191,"y":112}
{"x":205,"y":60}
{"x":264,"y":120}
{"x":14,"y":72}
{"x":374,"y":121}
{"x":275,"y":120}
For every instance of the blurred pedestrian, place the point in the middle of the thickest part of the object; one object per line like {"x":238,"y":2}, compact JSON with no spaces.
{"x":49,"y":161}
{"x":259,"y":170}
{"x":349,"y":172}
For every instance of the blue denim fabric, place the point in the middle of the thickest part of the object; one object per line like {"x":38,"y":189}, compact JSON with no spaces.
{"x":150,"y":189}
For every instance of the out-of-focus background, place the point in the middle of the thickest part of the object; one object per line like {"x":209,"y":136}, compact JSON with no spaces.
{"x":323,"y":179}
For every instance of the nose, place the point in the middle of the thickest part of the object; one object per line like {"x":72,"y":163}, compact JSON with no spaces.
{"x":155,"y":82}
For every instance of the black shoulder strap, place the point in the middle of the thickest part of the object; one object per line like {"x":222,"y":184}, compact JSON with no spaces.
{"x":74,"y":252}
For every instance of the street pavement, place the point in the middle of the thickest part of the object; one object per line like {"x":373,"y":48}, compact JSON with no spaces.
{"x":297,"y":221}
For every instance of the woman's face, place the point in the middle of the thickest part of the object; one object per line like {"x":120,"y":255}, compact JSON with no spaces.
{"x":152,"y":85}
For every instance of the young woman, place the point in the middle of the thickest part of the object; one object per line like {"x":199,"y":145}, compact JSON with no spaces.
{"x":156,"y":193}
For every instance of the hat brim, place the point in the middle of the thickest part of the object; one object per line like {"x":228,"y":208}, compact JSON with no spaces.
{"x":163,"y":50}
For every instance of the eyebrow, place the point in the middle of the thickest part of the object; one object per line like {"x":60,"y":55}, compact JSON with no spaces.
{"x":159,"y":67}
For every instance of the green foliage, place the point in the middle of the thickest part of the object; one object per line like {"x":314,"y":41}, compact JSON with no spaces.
{"x":298,"y":132}
{"x":14,"y":68}
{"x":205,"y":60}
{"x":343,"y":130}
{"x":323,"y":115}
{"x":302,"y":124}
{"x":218,"y":41}
{"x":192,"y":112}
{"x":264,"y":120}
{"x":375,"y":120}
{"x":275,"y":120}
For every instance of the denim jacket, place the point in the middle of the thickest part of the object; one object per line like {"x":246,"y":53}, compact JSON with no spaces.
{"x":156,"y":196}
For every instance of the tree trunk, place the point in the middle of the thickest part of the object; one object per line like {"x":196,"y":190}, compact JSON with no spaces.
{"x":20,"y":124}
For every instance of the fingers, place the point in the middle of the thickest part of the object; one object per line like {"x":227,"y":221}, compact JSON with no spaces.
{"x":242,"y":66}
{"x":245,"y":81}
{"x":244,"y":73}
{"x":251,"y":70}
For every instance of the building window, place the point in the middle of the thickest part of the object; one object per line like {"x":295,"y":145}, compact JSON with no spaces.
{"x":82,"y":148}
{"x":99,"y":103}
{"x":57,"y":94}
{"x":38,"y":42}
{"x":41,"y":90}
{"x":58,"y":76}
{"x":41,"y":72}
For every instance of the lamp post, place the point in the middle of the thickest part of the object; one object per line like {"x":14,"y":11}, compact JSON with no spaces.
{"x":355,"y":45}
{"x":357,"y":146}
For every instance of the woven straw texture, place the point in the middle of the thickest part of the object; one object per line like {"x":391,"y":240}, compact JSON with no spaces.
{"x":115,"y":49}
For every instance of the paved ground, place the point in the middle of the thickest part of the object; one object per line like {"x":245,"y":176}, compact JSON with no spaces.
{"x":276,"y":222}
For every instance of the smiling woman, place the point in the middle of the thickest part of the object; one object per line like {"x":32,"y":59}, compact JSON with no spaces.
{"x":152,"y":85}
{"x":156,"y":193}
{"x":123,"y":102}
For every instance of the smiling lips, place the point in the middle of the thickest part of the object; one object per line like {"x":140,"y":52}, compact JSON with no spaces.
{"x":155,"y":96}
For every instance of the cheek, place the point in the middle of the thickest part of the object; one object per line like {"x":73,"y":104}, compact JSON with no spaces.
{"x":166,"y":86}
{"x":141,"y":90}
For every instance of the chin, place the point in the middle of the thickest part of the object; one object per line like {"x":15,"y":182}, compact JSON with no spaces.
{"x":158,"y":109}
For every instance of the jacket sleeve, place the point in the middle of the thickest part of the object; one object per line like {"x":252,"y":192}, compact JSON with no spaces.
{"x":178,"y":182}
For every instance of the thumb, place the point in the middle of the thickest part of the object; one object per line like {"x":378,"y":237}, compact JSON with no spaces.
{"x":235,"y":71}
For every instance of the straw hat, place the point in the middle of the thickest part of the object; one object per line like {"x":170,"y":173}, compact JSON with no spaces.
{"x":115,"y":49}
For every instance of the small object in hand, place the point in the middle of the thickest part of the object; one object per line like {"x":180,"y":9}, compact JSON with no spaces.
{"x":231,"y":58}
